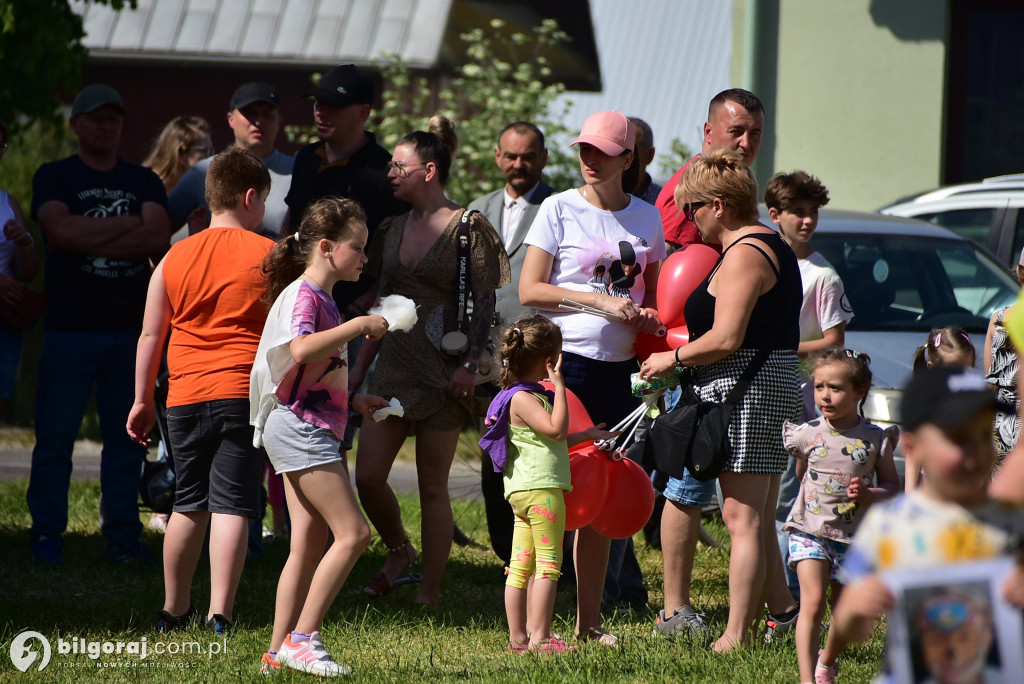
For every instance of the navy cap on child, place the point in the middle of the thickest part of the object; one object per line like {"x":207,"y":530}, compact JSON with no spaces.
{"x":946,"y":396}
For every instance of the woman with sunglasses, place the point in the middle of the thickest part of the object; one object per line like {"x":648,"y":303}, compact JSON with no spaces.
{"x":184,"y":141}
{"x":580,"y":237}
{"x":416,"y":254}
{"x":750,"y":302}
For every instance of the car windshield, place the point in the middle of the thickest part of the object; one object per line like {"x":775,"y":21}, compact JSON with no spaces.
{"x":907,"y":283}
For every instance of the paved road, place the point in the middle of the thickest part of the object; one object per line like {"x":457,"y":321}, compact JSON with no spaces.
{"x":16,"y":461}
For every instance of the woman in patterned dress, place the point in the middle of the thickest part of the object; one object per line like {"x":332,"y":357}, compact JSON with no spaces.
{"x":750,"y":301}
{"x":1001,"y":366}
{"x":415,"y":255}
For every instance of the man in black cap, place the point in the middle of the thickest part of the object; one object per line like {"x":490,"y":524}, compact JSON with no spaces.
{"x":346,"y":162}
{"x":255,"y":118}
{"x":103,"y":220}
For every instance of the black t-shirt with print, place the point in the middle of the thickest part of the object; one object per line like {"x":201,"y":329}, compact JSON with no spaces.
{"x":87,"y":292}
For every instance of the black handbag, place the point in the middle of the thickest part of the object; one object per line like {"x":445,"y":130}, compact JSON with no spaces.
{"x":695,"y":435}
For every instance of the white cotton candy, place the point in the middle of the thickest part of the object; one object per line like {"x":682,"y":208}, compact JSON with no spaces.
{"x":394,"y":410}
{"x":399,"y":311}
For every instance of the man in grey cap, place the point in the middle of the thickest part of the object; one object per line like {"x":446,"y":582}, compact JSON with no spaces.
{"x":103,"y":220}
{"x":255,"y":118}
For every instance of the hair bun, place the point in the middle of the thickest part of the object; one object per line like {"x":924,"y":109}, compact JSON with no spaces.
{"x":443,"y":128}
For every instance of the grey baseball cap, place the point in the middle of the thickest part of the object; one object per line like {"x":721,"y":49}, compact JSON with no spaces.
{"x":92,"y":97}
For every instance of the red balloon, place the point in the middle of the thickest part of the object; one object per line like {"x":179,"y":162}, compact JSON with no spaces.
{"x":647,"y":344}
{"x":579,"y":418}
{"x":629,"y":502}
{"x":680,"y":275}
{"x":589,"y":468}
{"x":677,"y":337}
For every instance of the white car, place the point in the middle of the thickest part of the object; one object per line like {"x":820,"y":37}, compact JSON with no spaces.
{"x":903,"y":278}
{"x":990,"y":212}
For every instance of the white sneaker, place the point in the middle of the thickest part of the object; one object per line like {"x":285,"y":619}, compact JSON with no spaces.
{"x":310,"y":656}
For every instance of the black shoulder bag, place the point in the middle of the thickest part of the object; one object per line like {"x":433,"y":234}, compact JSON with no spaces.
{"x":695,"y":435}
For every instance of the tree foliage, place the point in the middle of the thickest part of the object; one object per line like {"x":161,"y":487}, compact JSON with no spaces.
{"x":485,"y":93}
{"x":42,"y":53}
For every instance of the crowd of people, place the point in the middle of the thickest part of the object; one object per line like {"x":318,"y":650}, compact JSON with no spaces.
{"x":273,"y":361}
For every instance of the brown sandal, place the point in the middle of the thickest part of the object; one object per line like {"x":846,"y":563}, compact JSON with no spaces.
{"x":379,"y":585}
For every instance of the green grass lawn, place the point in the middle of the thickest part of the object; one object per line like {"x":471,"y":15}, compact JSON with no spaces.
{"x":388,"y":640}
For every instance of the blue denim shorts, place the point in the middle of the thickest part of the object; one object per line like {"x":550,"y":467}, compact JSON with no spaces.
{"x":803,"y":546}
{"x":689,"y":491}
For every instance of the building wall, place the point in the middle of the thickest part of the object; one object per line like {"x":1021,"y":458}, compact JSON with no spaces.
{"x":663,"y":62}
{"x":857,"y":93}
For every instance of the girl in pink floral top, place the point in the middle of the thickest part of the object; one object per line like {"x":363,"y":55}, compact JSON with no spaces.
{"x":844,"y":463}
{"x":299,"y":404}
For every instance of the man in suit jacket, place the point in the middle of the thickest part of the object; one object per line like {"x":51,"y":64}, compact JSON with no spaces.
{"x":521,"y":156}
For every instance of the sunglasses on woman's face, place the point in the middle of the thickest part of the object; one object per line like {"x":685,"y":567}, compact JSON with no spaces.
{"x":690,"y":208}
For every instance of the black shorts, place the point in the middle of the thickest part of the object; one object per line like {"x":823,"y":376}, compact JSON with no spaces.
{"x":216,"y":467}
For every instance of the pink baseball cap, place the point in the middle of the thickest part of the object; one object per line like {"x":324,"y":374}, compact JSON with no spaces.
{"x":609,"y":132}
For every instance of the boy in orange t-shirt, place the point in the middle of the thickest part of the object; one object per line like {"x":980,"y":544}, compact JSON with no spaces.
{"x":207,"y":294}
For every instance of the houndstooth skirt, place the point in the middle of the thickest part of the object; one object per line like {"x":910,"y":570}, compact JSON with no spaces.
{"x":755,"y":431}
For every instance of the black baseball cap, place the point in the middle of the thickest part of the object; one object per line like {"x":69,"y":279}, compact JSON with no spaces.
{"x":255,"y":91}
{"x":342,"y":86}
{"x":92,"y":97}
{"x":947,"y":396}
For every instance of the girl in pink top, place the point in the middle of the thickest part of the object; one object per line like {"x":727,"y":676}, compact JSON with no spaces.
{"x":844,"y":463}
{"x":299,"y":403}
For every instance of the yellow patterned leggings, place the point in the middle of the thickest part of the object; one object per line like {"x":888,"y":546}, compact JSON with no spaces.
{"x":537,"y":536}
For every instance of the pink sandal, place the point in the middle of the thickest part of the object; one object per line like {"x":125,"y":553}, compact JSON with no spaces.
{"x":552,"y":645}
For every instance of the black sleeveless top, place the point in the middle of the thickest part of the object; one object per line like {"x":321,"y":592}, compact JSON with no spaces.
{"x":775,"y":321}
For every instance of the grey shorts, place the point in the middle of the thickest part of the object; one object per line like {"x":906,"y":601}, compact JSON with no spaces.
{"x":293,"y":444}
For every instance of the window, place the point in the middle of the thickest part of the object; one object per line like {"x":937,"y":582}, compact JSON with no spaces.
{"x":973,"y":224}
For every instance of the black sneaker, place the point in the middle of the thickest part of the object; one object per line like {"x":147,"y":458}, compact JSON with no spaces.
{"x":132,"y":552}
{"x":46,"y":551}
{"x":166,"y":622}
{"x":220,"y":625}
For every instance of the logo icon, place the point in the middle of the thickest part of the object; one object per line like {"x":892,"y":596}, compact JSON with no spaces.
{"x":24,"y":657}
{"x":341,"y":89}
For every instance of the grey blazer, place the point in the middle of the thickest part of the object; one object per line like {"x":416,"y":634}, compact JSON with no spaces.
{"x":491,"y":205}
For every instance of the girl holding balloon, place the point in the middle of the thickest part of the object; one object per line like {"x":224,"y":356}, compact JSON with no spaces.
{"x":574,"y":233}
{"x":528,"y":440}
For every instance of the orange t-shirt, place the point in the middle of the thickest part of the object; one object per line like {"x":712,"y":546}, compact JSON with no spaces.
{"x":214,"y":286}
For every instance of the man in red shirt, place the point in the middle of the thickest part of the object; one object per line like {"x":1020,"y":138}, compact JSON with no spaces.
{"x":736,"y":121}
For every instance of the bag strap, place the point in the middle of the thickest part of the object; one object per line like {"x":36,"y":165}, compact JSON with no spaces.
{"x":752,"y":369}
{"x":462,"y":280}
{"x":742,"y":241}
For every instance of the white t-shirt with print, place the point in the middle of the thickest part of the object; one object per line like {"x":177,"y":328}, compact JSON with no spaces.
{"x":588,"y":257}
{"x":825,"y":304}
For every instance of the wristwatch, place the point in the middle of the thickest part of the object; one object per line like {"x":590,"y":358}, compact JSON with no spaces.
{"x":471,"y":366}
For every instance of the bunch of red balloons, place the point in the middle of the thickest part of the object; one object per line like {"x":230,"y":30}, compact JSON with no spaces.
{"x":615,"y":497}
{"x":683,"y":271}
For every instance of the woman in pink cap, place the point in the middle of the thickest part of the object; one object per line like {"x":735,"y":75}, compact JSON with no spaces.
{"x":594,"y":233}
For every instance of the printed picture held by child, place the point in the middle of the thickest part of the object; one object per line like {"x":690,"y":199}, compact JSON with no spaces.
{"x":527,"y":439}
{"x":947,"y":416}
{"x":949,"y":346}
{"x":300,"y":406}
{"x":844,"y":464}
